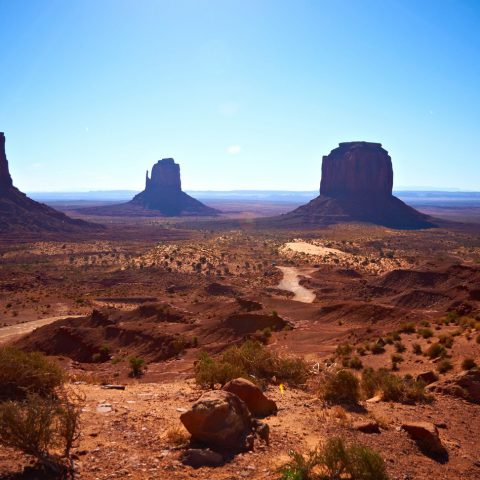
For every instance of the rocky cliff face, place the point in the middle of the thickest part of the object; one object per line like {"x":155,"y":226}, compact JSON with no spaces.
{"x":5,"y":178}
{"x":165,"y":175}
{"x":356,"y":186}
{"x":357,"y":169}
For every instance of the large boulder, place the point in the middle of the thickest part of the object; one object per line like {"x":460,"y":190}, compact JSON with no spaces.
{"x":465,"y":385}
{"x":220,"y":420}
{"x":258,"y":404}
{"x":426,"y":436}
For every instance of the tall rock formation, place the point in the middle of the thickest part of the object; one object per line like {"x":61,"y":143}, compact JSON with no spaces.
{"x":356,"y":185}
{"x":163,"y":196}
{"x":19,"y":214}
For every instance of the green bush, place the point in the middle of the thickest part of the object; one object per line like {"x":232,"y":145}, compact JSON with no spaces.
{"x":137,"y":366}
{"x":407,"y":327}
{"x":417,"y":349}
{"x":355,"y":363}
{"x":336,"y":460}
{"x":251,"y":360}
{"x":339,"y":387}
{"x":22,"y":373}
{"x":377,"y":348}
{"x":400,"y":347}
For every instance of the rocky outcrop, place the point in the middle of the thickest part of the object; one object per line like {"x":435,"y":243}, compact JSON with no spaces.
{"x":20,"y":214}
{"x":465,"y":385}
{"x":163,"y":196}
{"x":221,"y":421}
{"x":426,"y":436}
{"x":356,"y":186}
{"x":258,"y":404}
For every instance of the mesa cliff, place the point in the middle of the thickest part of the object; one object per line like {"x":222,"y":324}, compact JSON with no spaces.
{"x":356,"y":186}
{"x":163,"y":196}
{"x":19,"y":213}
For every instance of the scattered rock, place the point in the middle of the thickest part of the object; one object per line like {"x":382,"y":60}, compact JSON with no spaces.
{"x":258,"y":404}
{"x":366,"y":426}
{"x":104,"y":408}
{"x":375,"y":399}
{"x":220,"y":420}
{"x":426,"y":436}
{"x":198,"y":457}
{"x":113,"y":387}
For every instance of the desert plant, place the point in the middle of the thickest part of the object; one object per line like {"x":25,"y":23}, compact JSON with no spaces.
{"x":469,"y":364}
{"x":407,"y":327}
{"x":444,"y":366}
{"x":355,"y":363}
{"x":400,"y":347}
{"x":425,"y":332}
{"x":339,"y":387}
{"x":41,"y":427}
{"x":251,"y":360}
{"x":436,"y":350}
{"x":137,"y":366}
{"x":417,"y":349}
{"x":22,"y":373}
{"x":377,"y":348}
{"x":336,"y":460}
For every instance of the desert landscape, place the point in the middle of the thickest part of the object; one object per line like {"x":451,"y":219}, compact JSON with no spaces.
{"x":348,"y":331}
{"x":239,"y":240}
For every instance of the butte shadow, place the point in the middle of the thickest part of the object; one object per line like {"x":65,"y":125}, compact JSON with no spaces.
{"x":163,"y":196}
{"x":356,"y":186}
{"x":20,"y":214}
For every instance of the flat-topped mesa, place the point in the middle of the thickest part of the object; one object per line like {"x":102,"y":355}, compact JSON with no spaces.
{"x":165,"y":175}
{"x":357,"y":168}
{"x":5,"y":178}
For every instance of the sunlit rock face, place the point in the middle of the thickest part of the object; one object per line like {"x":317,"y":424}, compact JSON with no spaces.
{"x":357,"y":169}
{"x":163,"y":193}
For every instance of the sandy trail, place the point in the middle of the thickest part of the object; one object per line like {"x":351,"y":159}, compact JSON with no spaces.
{"x":12,"y":331}
{"x":308,"y":248}
{"x":290,"y":282}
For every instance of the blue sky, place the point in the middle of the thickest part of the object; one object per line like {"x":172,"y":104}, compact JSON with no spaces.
{"x":244,"y":94}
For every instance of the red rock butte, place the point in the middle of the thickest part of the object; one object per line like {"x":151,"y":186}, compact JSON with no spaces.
{"x":356,"y":186}
{"x":18,"y":213}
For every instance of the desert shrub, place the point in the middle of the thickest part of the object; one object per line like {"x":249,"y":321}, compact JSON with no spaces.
{"x":355,"y":363}
{"x":300,"y":466}
{"x":340,"y":387}
{"x":27,"y":372}
{"x":400,"y":347}
{"x":436,"y":350}
{"x":425,"y":332}
{"x":417,"y":349}
{"x":468,"y":364}
{"x":335,"y":460}
{"x":137,"y":366}
{"x":44,"y":427}
{"x":377,"y":348}
{"x":177,"y":436}
{"x":444,"y":366}
{"x":392,"y":387}
{"x":361,"y":351}
{"x":446,"y":340}
{"x":407,"y":327}
{"x":344,"y":349}
{"x":478,"y":339}
{"x":251,"y":360}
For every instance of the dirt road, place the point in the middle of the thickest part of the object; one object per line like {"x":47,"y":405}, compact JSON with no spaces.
{"x":290,"y":282}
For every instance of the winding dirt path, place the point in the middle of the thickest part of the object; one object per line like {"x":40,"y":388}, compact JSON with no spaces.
{"x":12,"y":331}
{"x":290,"y":282}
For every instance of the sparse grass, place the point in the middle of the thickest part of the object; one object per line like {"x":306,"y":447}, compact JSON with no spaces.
{"x":251,"y":360}
{"x":335,"y":460}
{"x":339,"y":387}
{"x":417,"y":349}
{"x":377,"y":349}
{"x":22,"y":373}
{"x":407,"y":327}
{"x":177,"y":436}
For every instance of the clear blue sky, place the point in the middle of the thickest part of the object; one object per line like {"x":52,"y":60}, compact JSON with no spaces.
{"x":244,"y":94}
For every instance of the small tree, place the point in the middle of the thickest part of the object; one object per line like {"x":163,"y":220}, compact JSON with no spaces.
{"x":137,"y":366}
